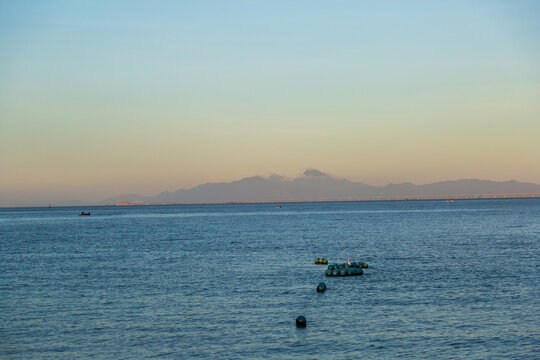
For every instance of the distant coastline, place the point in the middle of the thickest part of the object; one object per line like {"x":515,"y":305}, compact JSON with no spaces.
{"x":312,"y":186}
{"x":394,"y":198}
{"x":285,"y":201}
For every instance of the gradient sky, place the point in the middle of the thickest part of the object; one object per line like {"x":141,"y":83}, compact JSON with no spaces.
{"x":100,"y":98}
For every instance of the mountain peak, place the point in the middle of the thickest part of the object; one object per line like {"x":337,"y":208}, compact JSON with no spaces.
{"x":314,"y":173}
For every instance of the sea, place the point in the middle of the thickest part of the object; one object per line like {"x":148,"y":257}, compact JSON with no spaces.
{"x":446,"y":280}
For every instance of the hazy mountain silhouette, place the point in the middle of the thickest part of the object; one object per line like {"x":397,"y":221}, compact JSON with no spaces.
{"x":314,"y":184}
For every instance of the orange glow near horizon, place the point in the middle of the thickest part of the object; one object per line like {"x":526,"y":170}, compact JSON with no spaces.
{"x":92,"y":106}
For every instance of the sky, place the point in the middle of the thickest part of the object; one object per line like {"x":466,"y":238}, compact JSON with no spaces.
{"x":109,"y":97}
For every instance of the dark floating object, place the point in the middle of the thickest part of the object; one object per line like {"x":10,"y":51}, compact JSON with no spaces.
{"x":346,"y":269}
{"x":84,"y":214}
{"x":321,"y":261}
{"x":321,"y":287}
{"x":344,"y":272}
{"x":301,"y":321}
{"x":352,"y":265}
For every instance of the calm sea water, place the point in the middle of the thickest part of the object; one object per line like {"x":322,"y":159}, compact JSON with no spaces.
{"x":446,"y":280}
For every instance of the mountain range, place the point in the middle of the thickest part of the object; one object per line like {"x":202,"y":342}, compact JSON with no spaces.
{"x":314,"y":184}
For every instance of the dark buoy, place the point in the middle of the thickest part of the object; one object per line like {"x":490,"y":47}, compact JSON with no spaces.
{"x":301,"y":321}
{"x":321,"y":287}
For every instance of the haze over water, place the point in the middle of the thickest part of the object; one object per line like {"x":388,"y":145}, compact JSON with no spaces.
{"x":445,"y":280}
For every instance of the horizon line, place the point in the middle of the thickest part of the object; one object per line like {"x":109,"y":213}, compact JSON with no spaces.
{"x":322,"y":200}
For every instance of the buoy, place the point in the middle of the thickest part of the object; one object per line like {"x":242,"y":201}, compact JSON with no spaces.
{"x":301,"y":321}
{"x":321,"y":287}
{"x":321,"y":261}
{"x":336,"y":270}
{"x":328,"y":272}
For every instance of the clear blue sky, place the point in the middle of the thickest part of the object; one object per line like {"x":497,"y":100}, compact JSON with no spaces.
{"x":100,"y":98}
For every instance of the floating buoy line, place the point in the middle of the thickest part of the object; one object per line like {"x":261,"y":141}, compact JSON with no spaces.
{"x":344,"y":272}
{"x":334,"y":270}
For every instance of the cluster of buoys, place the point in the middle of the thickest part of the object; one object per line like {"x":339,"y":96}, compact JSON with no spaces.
{"x":345,"y":269}
{"x":358,"y":265}
{"x":344,"y":272}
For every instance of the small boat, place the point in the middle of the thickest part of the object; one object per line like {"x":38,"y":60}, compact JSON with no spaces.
{"x":84,"y":213}
{"x":279,"y":206}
